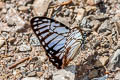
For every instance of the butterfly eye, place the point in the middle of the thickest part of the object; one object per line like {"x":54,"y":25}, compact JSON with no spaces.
{"x":59,"y":41}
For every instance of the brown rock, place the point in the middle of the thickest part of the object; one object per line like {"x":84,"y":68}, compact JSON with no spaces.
{"x":39,"y":74}
{"x":93,"y":2}
{"x":89,"y":8}
{"x":13,"y":17}
{"x":2,"y":42}
{"x":93,"y":74}
{"x":98,"y":64}
{"x":11,"y":39}
{"x":40,"y":7}
{"x":104,"y":60}
{"x":80,"y":14}
{"x":1,"y":5}
{"x":23,"y":8}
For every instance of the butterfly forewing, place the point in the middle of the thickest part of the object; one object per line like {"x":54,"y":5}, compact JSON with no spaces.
{"x":52,"y":35}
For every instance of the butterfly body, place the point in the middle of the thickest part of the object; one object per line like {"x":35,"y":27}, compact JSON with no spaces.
{"x":60,"y":42}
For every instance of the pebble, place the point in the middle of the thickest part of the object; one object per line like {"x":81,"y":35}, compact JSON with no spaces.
{"x":93,"y":74}
{"x":43,"y":57}
{"x":93,"y":2}
{"x":67,"y":12}
{"x":62,"y":1}
{"x":98,"y":64}
{"x":13,"y":18}
{"x":34,"y":41}
{"x":64,"y":20}
{"x":31,"y":67}
{"x":118,"y":27}
{"x":40,"y":7}
{"x":80,"y":14}
{"x":104,"y":27}
{"x":2,"y":50}
{"x":32,"y":74}
{"x":89,"y":8}
{"x":5,"y":35}
{"x":24,"y":48}
{"x":12,"y":39}
{"x":117,"y":76}
{"x":30,"y":78}
{"x":39,"y":74}
{"x":115,"y":57}
{"x":101,"y":78}
{"x":4,"y":10}
{"x":71,"y":68}
{"x":63,"y":75}
{"x":23,"y":8}
{"x":104,"y":60}
{"x":2,"y":42}
{"x":2,"y":5}
{"x":114,"y":60}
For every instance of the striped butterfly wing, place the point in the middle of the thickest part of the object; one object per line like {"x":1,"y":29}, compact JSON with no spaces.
{"x":60,"y":42}
{"x":72,"y":45}
{"x":52,"y":36}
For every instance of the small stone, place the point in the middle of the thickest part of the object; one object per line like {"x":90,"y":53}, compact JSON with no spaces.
{"x":39,"y":74}
{"x":71,"y":68}
{"x":101,"y":78}
{"x":13,"y":18}
{"x":4,"y":10}
{"x":118,"y":27}
{"x":31,"y":78}
{"x":34,"y":41}
{"x":93,"y":74}
{"x":63,"y":75}
{"x":23,"y":8}
{"x":2,"y":5}
{"x":2,"y":50}
{"x":104,"y":27}
{"x":10,"y":22}
{"x":5,"y":35}
{"x":2,"y":42}
{"x":24,"y":48}
{"x":116,"y":57}
{"x":43,"y":57}
{"x":62,"y":1}
{"x":104,"y":60}
{"x":80,"y":14}
{"x":64,"y":20}
{"x":40,"y":7}
{"x":89,"y":8}
{"x":31,"y":67}
{"x":32,"y":74}
{"x":117,"y":76}
{"x":114,"y":61}
{"x":93,"y":2}
{"x":98,"y":64}
{"x":11,"y":39}
{"x":67,"y":12}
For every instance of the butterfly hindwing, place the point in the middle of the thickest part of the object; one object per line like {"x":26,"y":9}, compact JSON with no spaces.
{"x":52,"y":36}
{"x":72,"y":45}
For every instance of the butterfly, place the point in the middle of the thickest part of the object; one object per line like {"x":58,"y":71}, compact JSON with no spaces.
{"x":60,"y":43}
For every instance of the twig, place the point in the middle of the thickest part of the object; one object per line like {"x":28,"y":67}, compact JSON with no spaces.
{"x":19,"y":62}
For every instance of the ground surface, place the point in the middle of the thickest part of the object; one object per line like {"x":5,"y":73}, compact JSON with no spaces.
{"x":22,"y":56}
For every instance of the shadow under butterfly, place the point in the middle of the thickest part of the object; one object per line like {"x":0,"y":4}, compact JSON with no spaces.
{"x":61,"y":43}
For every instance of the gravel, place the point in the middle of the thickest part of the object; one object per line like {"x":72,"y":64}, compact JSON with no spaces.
{"x":99,"y":19}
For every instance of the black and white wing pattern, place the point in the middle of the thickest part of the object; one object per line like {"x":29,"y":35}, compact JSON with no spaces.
{"x":61,"y":43}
